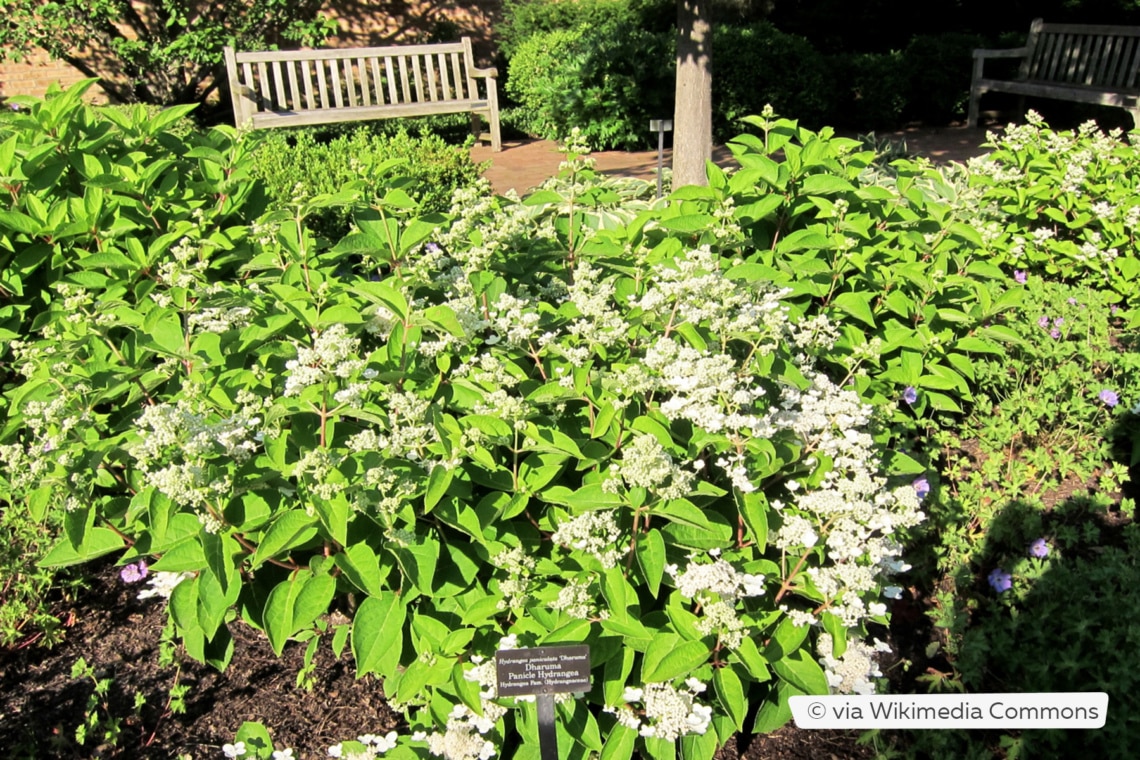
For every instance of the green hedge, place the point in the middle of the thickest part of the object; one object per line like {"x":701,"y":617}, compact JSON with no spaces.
{"x":290,"y":159}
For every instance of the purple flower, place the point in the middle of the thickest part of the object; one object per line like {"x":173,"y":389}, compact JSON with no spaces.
{"x":921,"y":487}
{"x":1043,"y":322}
{"x":1019,"y":275}
{"x":1109,"y":397}
{"x":1112,"y":309}
{"x":910,"y":395}
{"x":1054,"y":333}
{"x":432,"y":248}
{"x":1000,"y":581}
{"x":1058,"y":321}
{"x":133,"y":573}
{"x":1072,"y":301}
{"x":1039,"y":549}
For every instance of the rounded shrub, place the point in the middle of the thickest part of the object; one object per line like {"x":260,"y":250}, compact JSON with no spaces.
{"x":607,"y":81}
{"x":523,"y":19}
{"x":870,"y":90}
{"x":938,"y":69}
{"x":758,"y":65}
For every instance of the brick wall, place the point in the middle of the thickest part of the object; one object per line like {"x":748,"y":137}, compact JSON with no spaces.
{"x":36,"y":73}
{"x":362,"y":22}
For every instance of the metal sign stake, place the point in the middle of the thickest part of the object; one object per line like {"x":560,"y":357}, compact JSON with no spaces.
{"x":543,"y":672}
{"x":547,"y":735}
{"x":660,"y":126}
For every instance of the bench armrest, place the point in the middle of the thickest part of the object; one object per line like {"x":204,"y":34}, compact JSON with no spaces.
{"x":487,"y":72}
{"x":1006,"y":53}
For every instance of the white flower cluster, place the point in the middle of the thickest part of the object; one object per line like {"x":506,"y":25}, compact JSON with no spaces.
{"x":851,"y":673}
{"x":161,"y":584}
{"x":595,"y":533}
{"x":372,"y":746}
{"x":333,"y":354}
{"x":667,"y":712}
{"x":599,"y":322}
{"x":220,"y":319}
{"x":578,"y":601}
{"x":718,"y":577}
{"x":185,"y":426}
{"x":646,"y":464}
{"x":519,"y":565}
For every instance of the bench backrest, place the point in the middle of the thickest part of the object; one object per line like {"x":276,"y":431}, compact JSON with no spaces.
{"x":1105,"y":57}
{"x":297,"y":81}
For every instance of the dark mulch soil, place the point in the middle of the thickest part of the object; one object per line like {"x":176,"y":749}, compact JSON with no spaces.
{"x":41,"y":705}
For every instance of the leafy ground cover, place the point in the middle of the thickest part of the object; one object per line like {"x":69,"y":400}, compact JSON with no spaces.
{"x":743,"y":442}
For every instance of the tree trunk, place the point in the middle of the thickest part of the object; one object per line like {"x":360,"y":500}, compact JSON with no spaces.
{"x":692,"y":115}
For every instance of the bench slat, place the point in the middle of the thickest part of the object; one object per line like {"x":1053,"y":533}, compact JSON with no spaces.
{"x":457,"y":78}
{"x":349,"y":85}
{"x":365,"y":86}
{"x":404,"y":88}
{"x":432,"y":84}
{"x":332,"y":54}
{"x":279,"y":85}
{"x":419,"y":78}
{"x":444,"y":78}
{"x":338,"y":115}
{"x":322,"y":86}
{"x":294,"y":89}
{"x":1096,"y":74}
{"x":334,"y":84}
{"x":393,"y":98}
{"x":307,"y":73}
{"x":377,"y":81}
{"x":1133,"y":64}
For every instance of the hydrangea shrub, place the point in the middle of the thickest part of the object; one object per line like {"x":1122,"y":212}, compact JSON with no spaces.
{"x":553,"y":420}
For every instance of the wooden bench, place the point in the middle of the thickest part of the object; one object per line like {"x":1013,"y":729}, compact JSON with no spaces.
{"x":286,"y":88}
{"x":1076,"y":62}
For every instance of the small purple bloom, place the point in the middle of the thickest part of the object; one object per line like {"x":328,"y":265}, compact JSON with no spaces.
{"x":133,"y":573}
{"x":432,"y":248}
{"x":1019,"y":275}
{"x":1043,"y":322}
{"x":1054,"y":333}
{"x":1039,"y":549}
{"x":1000,"y":581}
{"x":921,"y":487}
{"x":1058,"y":321}
{"x":1109,"y":397}
{"x":1072,"y":302}
{"x":1112,"y":309}
{"x":910,"y":395}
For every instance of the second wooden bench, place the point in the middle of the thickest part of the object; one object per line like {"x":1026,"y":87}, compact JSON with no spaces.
{"x":1082,"y":63}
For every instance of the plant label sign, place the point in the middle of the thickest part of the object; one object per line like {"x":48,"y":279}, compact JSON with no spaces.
{"x":543,"y":670}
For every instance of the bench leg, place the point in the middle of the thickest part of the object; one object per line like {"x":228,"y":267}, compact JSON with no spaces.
{"x":972,"y":112}
{"x":1135,"y":112}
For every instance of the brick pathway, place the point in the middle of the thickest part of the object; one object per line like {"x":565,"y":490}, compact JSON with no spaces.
{"x":523,"y":165}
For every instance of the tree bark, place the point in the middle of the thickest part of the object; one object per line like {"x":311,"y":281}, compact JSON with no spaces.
{"x":692,"y":115}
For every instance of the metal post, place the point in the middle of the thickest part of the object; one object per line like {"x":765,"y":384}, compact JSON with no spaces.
{"x":661,"y":126}
{"x":547,"y":735}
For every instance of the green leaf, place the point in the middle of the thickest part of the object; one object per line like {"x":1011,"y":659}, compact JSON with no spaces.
{"x":291,"y":529}
{"x":668,"y":657}
{"x":857,"y":305}
{"x":802,"y":671}
{"x":730,"y":693}
{"x":651,"y":559}
{"x":378,"y":634}
{"x":754,"y":510}
{"x":361,"y":566}
{"x":96,"y":542}
{"x":620,"y":743}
